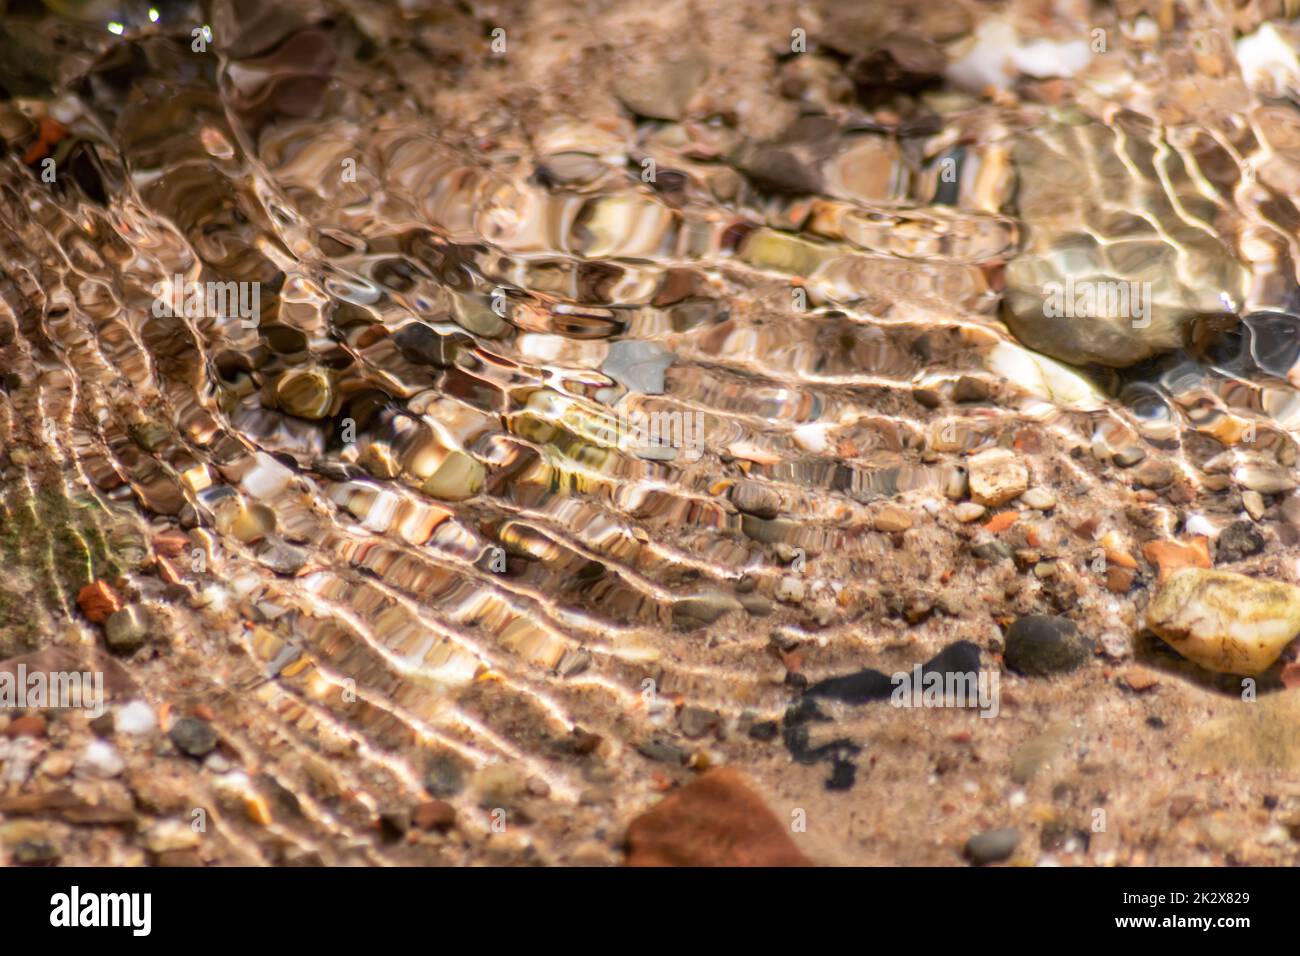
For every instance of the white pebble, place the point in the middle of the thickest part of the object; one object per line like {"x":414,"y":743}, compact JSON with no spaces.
{"x":790,"y":590}
{"x":101,"y":759}
{"x":1268,"y":62}
{"x":1039,"y":498}
{"x":812,"y":437}
{"x":137,"y":717}
{"x":1044,"y":58}
{"x":987,"y":61}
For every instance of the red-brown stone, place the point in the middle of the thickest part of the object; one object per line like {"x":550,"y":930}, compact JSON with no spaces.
{"x":97,"y":601}
{"x":434,"y":815}
{"x":718,"y":820}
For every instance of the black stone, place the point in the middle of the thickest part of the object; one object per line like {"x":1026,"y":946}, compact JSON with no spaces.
{"x":1040,"y":644}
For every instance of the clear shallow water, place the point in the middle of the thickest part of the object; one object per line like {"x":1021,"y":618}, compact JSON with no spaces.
{"x":416,"y":475}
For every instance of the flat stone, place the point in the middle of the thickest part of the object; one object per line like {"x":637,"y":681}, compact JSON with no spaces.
{"x":1172,"y":556}
{"x":755,"y":498}
{"x":1091,"y":286}
{"x":663,"y":751}
{"x":459,"y":476}
{"x":305,"y":393}
{"x":996,"y":477}
{"x":1226,"y":622}
{"x":1267,"y":478}
{"x":421,"y":345}
{"x":891,"y":519}
{"x":718,"y":820}
{"x":968,"y":511}
{"x":701,"y":609}
{"x":1128,"y":457}
{"x":1039,"y":498}
{"x":283,"y":558}
{"x":1039,"y":644}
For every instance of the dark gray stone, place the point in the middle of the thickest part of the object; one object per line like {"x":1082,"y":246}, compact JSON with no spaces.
{"x":445,"y":777}
{"x":1238,"y":540}
{"x":1040,"y":644}
{"x":193,"y":736}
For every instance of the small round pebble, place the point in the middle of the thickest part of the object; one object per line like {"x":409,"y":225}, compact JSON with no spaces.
{"x":137,"y":717}
{"x":193,"y":736}
{"x":1039,"y":498}
{"x":992,"y":846}
{"x":1042,"y":644}
{"x":101,"y":759}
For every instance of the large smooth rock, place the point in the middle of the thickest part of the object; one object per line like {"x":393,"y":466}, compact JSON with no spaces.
{"x":1088,"y":197}
{"x":1226,"y":622}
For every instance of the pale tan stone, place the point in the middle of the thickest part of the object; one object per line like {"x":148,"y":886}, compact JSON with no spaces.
{"x":996,"y":476}
{"x":1226,"y":622}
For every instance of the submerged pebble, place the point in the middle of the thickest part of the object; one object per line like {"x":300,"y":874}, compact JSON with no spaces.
{"x":1224,"y":621}
{"x":1038,"y":645}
